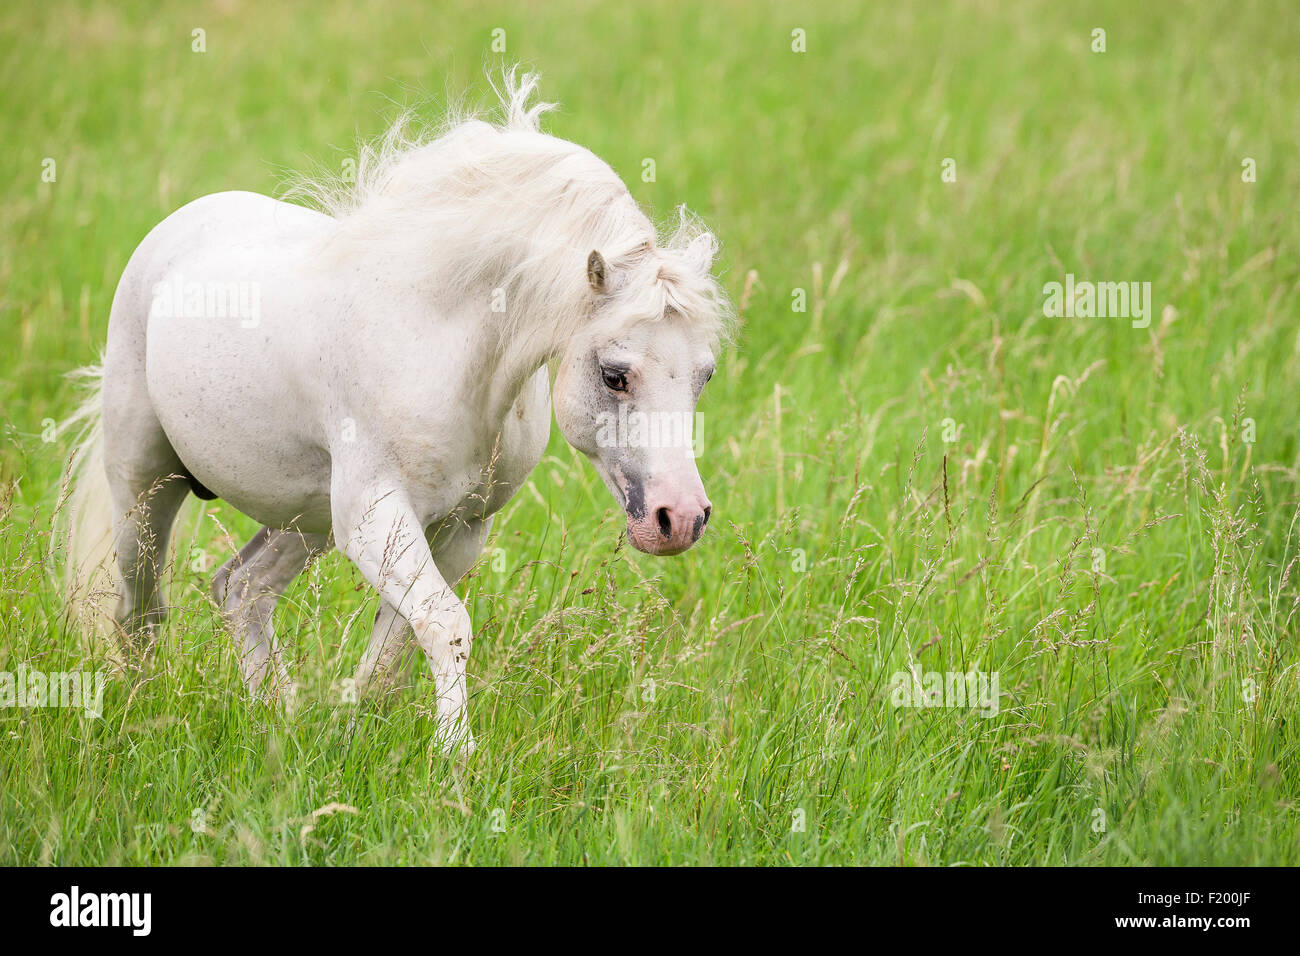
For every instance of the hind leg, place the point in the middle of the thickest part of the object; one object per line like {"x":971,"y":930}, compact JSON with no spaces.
{"x":248,"y":587}
{"x":143,"y":470}
{"x":146,"y":487}
{"x":140,"y":535}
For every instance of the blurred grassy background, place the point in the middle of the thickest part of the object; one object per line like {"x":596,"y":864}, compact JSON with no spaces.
{"x":1099,"y":531}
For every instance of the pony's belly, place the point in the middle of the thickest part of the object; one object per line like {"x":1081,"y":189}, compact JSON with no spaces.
{"x":235,"y":427}
{"x":279,"y":487}
{"x":280,"y":494}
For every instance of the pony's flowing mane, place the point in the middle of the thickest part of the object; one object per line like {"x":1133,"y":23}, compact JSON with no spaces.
{"x":505,"y":211}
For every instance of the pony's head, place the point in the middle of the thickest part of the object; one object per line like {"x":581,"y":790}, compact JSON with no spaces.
{"x":629,"y":380}
{"x":503,"y":211}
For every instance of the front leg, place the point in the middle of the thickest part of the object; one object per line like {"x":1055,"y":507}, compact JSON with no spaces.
{"x":455,"y":549}
{"x":381,"y":534}
{"x":390,"y":638}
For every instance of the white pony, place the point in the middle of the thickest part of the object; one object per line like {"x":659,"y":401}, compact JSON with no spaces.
{"x":377,"y":375}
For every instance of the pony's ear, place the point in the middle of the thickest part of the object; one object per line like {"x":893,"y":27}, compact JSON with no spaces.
{"x":701,"y":251}
{"x":596,"y":271}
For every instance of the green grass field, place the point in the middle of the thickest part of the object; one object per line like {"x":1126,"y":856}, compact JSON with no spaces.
{"x":920,"y":470}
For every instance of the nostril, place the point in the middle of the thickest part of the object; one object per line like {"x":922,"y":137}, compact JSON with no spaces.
{"x":665,"y":523}
{"x":707,"y":511}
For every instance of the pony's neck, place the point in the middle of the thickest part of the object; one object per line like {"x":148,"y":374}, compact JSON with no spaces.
{"x":512,"y":353}
{"x":513,"y":372}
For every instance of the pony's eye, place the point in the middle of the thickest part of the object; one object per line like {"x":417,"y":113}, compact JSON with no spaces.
{"x":614,"y":380}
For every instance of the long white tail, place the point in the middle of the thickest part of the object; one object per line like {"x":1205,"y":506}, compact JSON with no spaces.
{"x":90,"y":576}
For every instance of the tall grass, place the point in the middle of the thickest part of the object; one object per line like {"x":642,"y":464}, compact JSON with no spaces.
{"x":920,"y":472}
